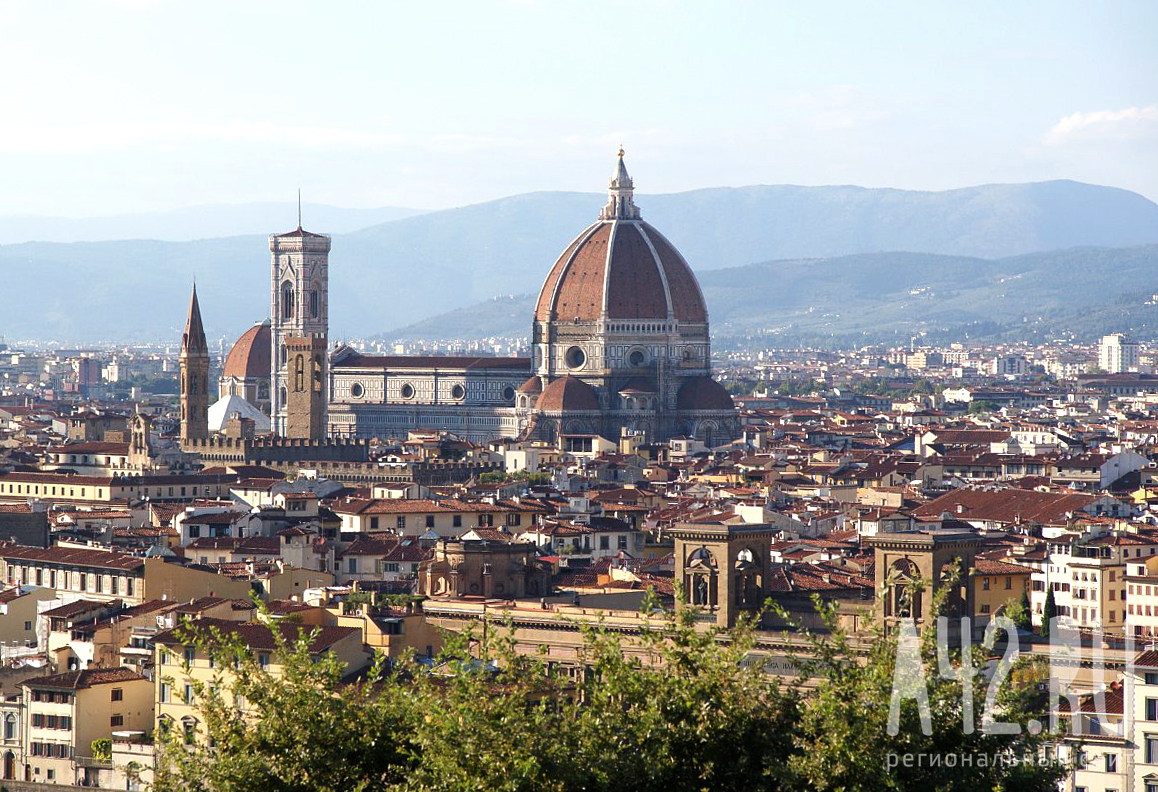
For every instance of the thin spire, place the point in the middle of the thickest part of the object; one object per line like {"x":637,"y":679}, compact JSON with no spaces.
{"x":299,"y":208}
{"x":193,"y":339}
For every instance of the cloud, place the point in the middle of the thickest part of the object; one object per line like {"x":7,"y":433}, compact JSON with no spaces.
{"x":1101,"y":123}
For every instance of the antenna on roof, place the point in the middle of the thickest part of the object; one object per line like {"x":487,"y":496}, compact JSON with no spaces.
{"x":299,"y":208}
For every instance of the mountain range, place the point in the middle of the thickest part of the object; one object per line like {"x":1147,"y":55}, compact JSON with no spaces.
{"x":824,"y":249}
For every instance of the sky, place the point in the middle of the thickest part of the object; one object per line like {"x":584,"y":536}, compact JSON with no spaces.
{"x":121,"y":106}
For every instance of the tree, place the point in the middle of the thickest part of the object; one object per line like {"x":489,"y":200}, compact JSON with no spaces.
{"x":1048,"y":613}
{"x":679,"y":706}
{"x":981,"y":406}
{"x":1019,"y":612}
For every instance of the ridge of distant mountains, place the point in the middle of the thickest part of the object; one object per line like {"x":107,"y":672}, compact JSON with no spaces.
{"x":823,"y":242}
{"x":882,"y":297}
{"x":206,"y":221}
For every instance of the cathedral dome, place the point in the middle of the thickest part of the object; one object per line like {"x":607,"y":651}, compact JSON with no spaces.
{"x":621,"y":268}
{"x":249,"y":357}
{"x":704,"y":393}
{"x":568,"y":394}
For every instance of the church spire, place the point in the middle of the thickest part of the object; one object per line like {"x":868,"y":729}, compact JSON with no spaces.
{"x":620,"y":192}
{"x":193,"y":339}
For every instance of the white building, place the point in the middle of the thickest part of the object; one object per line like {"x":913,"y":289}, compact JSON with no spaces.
{"x":1117,"y":354}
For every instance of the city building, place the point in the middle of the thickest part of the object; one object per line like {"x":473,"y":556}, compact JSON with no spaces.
{"x":1117,"y":354}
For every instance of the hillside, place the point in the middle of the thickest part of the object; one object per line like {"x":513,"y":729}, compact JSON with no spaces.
{"x":396,"y":273}
{"x":207,"y":221}
{"x":884,"y":296}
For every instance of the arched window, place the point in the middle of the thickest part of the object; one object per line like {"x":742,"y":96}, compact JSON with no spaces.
{"x":287,"y":300}
{"x":300,"y":374}
{"x":10,"y":728}
{"x":313,"y":303}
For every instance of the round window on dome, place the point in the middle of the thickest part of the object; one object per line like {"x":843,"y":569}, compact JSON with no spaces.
{"x":407,"y":391}
{"x":508,"y":393}
{"x":637,"y":357}
{"x":457,"y":392}
{"x":576,"y":357}
{"x":357,"y":391}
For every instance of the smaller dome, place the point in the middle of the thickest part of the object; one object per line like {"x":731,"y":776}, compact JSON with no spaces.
{"x":250,"y":356}
{"x":704,"y":393}
{"x":568,"y":394}
{"x":533,"y":385}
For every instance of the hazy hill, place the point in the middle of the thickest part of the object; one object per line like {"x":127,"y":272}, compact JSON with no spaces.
{"x":392,"y":274}
{"x":194,"y":222}
{"x":877,"y":296}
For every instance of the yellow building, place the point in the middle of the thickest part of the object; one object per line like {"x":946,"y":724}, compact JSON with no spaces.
{"x":179,"y":668}
{"x":106,"y":575}
{"x":18,"y":613}
{"x":995,"y":585}
{"x":66,"y":712}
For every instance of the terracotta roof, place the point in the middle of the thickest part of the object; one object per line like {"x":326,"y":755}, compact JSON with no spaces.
{"x":434,"y":361}
{"x":1006,"y":505}
{"x":257,"y":636}
{"x":568,"y":394}
{"x":703,"y":393}
{"x":73,"y":608}
{"x":71,"y":556}
{"x":986,"y":566}
{"x":621,"y":269}
{"x":299,"y":232}
{"x":250,"y":355}
{"x":79,"y":680}
{"x":532,"y":385}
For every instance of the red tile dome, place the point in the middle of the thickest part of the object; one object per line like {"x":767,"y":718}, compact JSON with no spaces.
{"x":703,"y":393}
{"x":250,"y":356}
{"x":568,"y":394}
{"x":621,"y":268}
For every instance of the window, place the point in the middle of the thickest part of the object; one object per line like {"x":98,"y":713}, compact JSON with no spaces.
{"x":605,"y":542}
{"x":263,"y":660}
{"x":1151,"y":677}
{"x":190,"y":654}
{"x":985,"y":584}
{"x":27,"y":626}
{"x":351,"y":566}
{"x":118,"y":694}
{"x":430,"y":521}
{"x":1111,"y":763}
{"x":457,"y":522}
{"x":117,"y":721}
{"x":1151,"y":746}
{"x":166,"y":693}
{"x":1008,"y":583}
{"x":188,"y":694}
{"x":401,"y":523}
{"x":373,"y":523}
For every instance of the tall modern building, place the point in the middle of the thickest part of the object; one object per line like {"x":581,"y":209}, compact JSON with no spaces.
{"x":299,"y":333}
{"x":1117,"y":354}
{"x":194,"y":376}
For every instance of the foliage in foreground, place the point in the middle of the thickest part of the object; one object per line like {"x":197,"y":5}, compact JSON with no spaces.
{"x":682,"y":709}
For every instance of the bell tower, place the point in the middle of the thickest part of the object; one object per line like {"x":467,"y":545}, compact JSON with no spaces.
{"x":299,"y":311}
{"x":194,"y":365}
